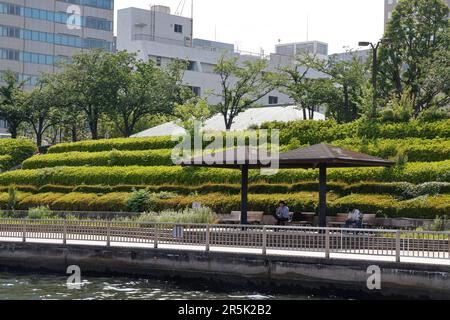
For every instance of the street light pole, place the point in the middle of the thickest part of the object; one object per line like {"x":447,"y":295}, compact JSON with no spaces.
{"x":374,"y":71}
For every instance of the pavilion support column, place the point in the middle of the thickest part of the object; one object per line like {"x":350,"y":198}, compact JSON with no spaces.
{"x":244,"y":195}
{"x":323,"y":195}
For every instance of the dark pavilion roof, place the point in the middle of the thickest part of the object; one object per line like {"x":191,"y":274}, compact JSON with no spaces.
{"x":331,"y":156}
{"x":310,"y":157}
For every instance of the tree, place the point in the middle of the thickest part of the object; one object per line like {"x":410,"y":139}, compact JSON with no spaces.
{"x":242,"y":85}
{"x":417,"y":30}
{"x":89,"y":83}
{"x":41,"y":108}
{"x":143,"y":89}
{"x":295,"y":80}
{"x":349,"y":77}
{"x":192,"y":112}
{"x":12,"y":106}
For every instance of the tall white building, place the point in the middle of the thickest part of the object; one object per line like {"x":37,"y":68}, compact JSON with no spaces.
{"x":159,"y":35}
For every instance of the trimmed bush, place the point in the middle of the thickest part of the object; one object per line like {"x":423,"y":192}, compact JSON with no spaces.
{"x":426,"y":207}
{"x":107,"y":158}
{"x":14,"y":151}
{"x":313,"y":132}
{"x":416,"y":150}
{"x":5,"y":162}
{"x":72,"y":176}
{"x":117,"y":144}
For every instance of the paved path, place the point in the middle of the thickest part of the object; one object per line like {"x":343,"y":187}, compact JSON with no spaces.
{"x":333,"y":255}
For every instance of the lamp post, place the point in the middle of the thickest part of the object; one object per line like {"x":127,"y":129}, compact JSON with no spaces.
{"x":374,"y":69}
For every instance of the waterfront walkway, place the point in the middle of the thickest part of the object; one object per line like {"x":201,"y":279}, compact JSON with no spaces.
{"x":420,"y":247}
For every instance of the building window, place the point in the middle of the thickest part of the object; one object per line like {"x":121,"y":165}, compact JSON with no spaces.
{"x":273,"y":100}
{"x":158,"y":61}
{"x":178,"y":28}
{"x":197,"y":91}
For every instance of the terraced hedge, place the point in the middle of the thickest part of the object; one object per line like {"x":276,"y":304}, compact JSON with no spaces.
{"x":106,"y":158}
{"x":417,"y":150}
{"x":383,"y":205}
{"x":398,"y":189}
{"x":412,"y":172}
{"x":313,"y":132}
{"x":115,"y":144}
{"x":14,"y":151}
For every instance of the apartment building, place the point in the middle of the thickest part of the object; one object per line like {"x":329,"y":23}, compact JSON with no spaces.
{"x":161,"y":36}
{"x":36,"y":34}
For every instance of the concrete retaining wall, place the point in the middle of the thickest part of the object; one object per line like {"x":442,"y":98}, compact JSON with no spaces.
{"x":346,"y":278}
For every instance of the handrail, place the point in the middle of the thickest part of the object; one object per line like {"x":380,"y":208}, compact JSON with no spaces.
{"x":285,"y":240}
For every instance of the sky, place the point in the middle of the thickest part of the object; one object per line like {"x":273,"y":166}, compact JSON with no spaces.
{"x":255,"y":25}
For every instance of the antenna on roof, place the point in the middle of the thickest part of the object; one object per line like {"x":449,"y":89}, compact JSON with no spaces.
{"x":307,"y":28}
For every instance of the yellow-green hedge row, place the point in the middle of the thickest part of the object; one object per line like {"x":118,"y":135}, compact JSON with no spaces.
{"x":106,"y":158}
{"x":384,"y":205}
{"x":153,"y":143}
{"x":417,"y":150}
{"x":412,"y":172}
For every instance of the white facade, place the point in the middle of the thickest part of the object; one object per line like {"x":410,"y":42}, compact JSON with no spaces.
{"x":244,"y":120}
{"x":156,"y":34}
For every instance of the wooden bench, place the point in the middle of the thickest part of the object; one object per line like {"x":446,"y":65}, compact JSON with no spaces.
{"x":339,"y":221}
{"x":253,"y":217}
{"x":369,"y":220}
{"x":300,"y":219}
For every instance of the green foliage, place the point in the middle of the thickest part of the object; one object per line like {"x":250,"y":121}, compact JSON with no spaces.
{"x":398,"y":110}
{"x":314,"y":132}
{"x":418,"y":34}
{"x":417,"y":172}
{"x":40,"y":213}
{"x":415,"y":149}
{"x":123,"y":144}
{"x":434,"y":114}
{"x":14,"y":151}
{"x":106,"y":158}
{"x":139,"y":201}
{"x":12,"y":198}
{"x":202,"y":215}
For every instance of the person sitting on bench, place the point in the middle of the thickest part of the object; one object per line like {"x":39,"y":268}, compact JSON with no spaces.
{"x":354,"y":219}
{"x":282,"y":213}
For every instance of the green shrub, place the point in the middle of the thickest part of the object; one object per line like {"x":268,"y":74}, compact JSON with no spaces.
{"x":139,"y":201}
{"x":414,"y":149}
{"x":39,"y":213}
{"x":55,"y":188}
{"x":14,"y":151}
{"x":107,"y":158}
{"x":72,"y":176}
{"x":298,"y":133}
{"x":5,"y":162}
{"x":202,"y":215}
{"x":118,"y":144}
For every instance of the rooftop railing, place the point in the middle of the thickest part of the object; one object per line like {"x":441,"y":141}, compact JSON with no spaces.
{"x":323,"y":242}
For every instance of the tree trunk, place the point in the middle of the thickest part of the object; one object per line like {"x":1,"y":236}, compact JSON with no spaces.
{"x":93,"y":126}
{"x":13,"y":131}
{"x":74,"y":133}
{"x":346,"y":116}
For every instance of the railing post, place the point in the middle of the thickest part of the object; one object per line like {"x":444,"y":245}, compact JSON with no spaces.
{"x":24,"y":231}
{"x":448,"y":235}
{"x":327,"y":243}
{"x":155,"y":241}
{"x":207,"y":238}
{"x":65,"y":232}
{"x":264,"y":240}
{"x":108,"y":234}
{"x":397,"y":246}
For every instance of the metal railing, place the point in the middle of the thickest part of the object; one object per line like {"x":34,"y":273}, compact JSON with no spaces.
{"x":327,"y":242}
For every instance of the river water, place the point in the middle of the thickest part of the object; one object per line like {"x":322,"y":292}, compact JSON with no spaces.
{"x":15,"y":286}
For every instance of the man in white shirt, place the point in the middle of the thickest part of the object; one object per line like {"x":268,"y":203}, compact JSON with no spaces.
{"x":354,"y":219}
{"x":282,"y":213}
